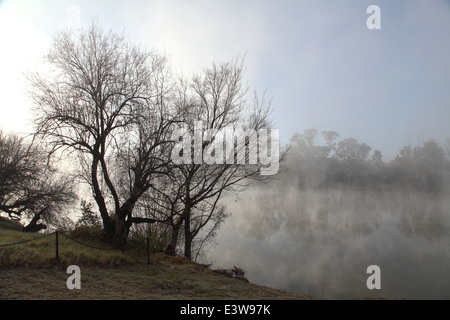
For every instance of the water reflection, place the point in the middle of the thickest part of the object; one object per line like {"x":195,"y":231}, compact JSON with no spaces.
{"x":321,"y":243}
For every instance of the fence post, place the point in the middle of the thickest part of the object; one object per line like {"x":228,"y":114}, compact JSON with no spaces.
{"x":148,"y":250}
{"x":56,"y":243}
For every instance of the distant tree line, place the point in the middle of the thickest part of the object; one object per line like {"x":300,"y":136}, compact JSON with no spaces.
{"x":348,"y":162}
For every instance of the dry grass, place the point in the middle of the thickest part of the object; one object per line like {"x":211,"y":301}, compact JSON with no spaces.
{"x":165,"y":278}
{"x":30,"y":271}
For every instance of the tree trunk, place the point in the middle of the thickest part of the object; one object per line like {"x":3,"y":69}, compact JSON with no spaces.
{"x":34,"y":226}
{"x":122,"y":224}
{"x":108,"y":226}
{"x":171,"y":248}
{"x":121,"y":231}
{"x":187,"y":234}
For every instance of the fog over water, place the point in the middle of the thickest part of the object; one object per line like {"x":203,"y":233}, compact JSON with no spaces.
{"x":320,"y":242}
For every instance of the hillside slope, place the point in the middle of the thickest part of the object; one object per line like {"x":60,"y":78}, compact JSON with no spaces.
{"x":30,"y":271}
{"x":165,"y":278}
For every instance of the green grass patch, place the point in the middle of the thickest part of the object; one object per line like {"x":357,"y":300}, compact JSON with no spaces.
{"x":41,"y":250}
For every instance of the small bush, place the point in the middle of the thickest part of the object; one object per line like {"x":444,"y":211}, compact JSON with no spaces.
{"x":86,"y":233}
{"x":236,"y":273}
{"x":88,"y":216}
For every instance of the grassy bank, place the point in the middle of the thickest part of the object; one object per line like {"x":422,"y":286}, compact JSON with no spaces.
{"x":165,"y":278}
{"x":39,"y":250}
{"x":30,"y":271}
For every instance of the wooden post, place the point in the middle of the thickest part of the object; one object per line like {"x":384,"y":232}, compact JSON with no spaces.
{"x":148,"y":250}
{"x":323,"y":286}
{"x":56,"y":242}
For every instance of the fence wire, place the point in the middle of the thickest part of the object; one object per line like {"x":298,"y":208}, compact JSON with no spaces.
{"x":84,"y":244}
{"x":49,"y":234}
{"x":56,"y":233}
{"x":25,"y":241}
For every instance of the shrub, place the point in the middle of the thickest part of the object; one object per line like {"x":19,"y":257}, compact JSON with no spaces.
{"x":87,"y":233}
{"x":236,"y":273}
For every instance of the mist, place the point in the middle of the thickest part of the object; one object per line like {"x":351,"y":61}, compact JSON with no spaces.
{"x":314,"y":230}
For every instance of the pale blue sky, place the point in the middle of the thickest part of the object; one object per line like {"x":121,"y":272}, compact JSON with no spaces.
{"x":317,"y":59}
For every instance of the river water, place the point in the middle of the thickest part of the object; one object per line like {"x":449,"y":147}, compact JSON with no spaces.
{"x":321,"y":243}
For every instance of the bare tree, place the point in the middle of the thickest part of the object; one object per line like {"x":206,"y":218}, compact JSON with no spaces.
{"x":109,"y":103}
{"x":215,"y":163}
{"x":30,"y":188}
{"x":205,"y":222}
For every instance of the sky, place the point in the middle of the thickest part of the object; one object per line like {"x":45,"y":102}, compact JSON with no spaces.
{"x":317,"y":60}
